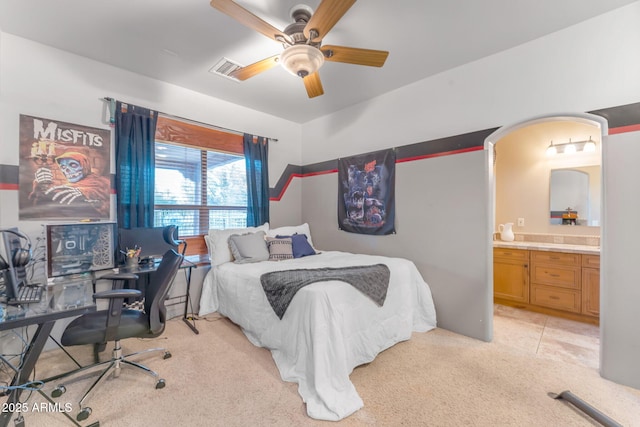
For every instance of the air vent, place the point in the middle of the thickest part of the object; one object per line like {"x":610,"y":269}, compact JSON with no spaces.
{"x":224,"y":68}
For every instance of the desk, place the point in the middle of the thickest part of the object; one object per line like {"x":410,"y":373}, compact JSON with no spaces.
{"x":43,"y":314}
{"x":188,"y":263}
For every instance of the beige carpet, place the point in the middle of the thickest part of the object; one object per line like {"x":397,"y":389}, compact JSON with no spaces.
{"x":437,"y":378}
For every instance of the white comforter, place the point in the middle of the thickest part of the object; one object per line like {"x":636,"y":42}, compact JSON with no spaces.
{"x":329,"y":327}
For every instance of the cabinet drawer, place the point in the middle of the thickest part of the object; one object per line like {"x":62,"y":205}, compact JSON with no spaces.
{"x":558,"y":298}
{"x":566,"y":277}
{"x":558,"y":258}
{"x":591,"y":261}
{"x":508,"y":253}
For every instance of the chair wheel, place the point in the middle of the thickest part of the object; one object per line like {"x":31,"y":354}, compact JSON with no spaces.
{"x":58,"y":391}
{"x":160,"y":384}
{"x":84,"y":414}
{"x":166,"y":355}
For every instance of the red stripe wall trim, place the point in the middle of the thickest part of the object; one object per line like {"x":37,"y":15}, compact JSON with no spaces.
{"x":612,"y":131}
{"x":408,"y":159}
{"x":624,"y":129}
{"x":319,"y":173}
{"x":299,"y":175}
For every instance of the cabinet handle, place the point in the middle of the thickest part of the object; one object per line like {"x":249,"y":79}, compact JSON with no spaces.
{"x":554,"y":257}
{"x":554,"y":275}
{"x":553,"y":297}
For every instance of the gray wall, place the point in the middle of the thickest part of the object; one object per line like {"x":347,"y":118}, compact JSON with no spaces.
{"x":439,"y":227}
{"x":452,"y":247}
{"x":620,"y":286}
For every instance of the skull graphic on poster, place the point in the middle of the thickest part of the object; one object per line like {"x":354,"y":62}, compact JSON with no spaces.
{"x":79,"y":186}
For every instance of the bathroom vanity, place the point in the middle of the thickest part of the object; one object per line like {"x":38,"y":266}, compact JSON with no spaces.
{"x":556,"y":279}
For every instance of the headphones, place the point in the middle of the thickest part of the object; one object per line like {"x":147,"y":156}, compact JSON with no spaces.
{"x":19,"y":256}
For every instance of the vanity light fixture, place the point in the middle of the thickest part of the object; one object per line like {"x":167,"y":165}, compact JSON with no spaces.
{"x":588,"y":146}
{"x":552,"y":150}
{"x":570,"y":148}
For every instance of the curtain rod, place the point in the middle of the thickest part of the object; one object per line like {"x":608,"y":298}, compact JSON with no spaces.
{"x":106,"y":98}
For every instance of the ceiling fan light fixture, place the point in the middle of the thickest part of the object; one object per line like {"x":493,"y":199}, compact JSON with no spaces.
{"x":302,"y":60}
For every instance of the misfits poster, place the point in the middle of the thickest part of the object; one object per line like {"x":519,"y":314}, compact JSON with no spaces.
{"x":64,"y":170}
{"x":366,"y":193}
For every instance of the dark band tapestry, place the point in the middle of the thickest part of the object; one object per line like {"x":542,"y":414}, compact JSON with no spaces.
{"x":366,"y":193}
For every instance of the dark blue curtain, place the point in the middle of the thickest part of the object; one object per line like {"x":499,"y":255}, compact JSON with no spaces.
{"x":135,"y":131}
{"x":256,"y":159}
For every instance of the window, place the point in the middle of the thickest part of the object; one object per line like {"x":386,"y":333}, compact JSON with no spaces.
{"x":196,"y":186}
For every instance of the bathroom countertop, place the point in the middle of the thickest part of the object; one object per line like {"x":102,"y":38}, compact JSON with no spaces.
{"x":541,"y":246}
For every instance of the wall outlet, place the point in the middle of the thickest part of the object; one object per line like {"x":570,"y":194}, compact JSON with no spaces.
{"x":520,"y":222}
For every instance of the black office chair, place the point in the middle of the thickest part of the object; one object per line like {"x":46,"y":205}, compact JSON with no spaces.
{"x":153,"y":242}
{"x":117,"y":323}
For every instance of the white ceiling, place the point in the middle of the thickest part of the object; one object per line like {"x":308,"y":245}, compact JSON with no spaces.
{"x":178,"y":41}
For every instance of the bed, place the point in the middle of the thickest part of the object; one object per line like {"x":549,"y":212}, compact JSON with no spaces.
{"x":329,"y":328}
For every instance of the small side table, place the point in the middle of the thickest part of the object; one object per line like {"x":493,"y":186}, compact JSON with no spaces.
{"x":189,"y":320}
{"x":190,"y":262}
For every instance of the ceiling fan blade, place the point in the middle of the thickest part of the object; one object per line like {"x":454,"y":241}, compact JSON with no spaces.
{"x":242,"y":15}
{"x":256,"y":68}
{"x":325,"y":17}
{"x":313,"y":85}
{"x":354,"y":55}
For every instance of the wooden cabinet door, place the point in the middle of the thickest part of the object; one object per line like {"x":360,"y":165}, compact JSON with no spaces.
{"x":511,"y":280}
{"x":591,"y":291}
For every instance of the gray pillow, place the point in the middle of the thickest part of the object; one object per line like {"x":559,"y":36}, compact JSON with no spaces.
{"x":249,"y":247}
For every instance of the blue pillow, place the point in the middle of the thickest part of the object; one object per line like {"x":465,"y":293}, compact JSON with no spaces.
{"x":300,"y":245}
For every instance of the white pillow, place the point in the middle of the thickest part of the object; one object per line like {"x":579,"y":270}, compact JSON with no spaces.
{"x":288,"y":231}
{"x":250,"y":247}
{"x":218,"y":242}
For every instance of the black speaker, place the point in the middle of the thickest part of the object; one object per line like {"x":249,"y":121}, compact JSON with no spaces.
{"x":22,"y":255}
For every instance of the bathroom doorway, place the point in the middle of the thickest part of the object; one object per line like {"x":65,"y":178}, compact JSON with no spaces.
{"x":520,"y":193}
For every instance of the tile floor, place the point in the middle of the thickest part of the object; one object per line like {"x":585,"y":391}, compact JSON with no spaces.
{"x":547,"y":336}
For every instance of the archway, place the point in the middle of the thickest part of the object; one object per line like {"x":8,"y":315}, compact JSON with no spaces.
{"x":490,"y":176}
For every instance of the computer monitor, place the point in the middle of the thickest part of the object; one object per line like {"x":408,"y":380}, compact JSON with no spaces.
{"x":153,"y":242}
{"x":11,"y":276}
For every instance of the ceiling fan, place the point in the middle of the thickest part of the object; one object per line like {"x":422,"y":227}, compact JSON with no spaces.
{"x":303,"y":52}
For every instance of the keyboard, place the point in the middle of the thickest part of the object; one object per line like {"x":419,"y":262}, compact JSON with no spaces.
{"x":27,"y":294}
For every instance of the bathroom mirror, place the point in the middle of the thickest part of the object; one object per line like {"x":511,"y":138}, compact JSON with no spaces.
{"x":574,"y":196}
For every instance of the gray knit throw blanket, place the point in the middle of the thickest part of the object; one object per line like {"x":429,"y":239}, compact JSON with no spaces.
{"x":281,"y":286}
